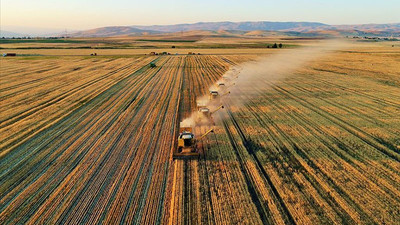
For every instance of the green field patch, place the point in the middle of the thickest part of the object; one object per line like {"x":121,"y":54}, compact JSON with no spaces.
{"x":15,"y":41}
{"x":163,"y":40}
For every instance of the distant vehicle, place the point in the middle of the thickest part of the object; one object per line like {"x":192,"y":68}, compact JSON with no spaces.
{"x":152,"y":65}
{"x":9,"y":54}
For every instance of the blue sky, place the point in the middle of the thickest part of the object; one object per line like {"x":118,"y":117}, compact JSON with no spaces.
{"x":84,"y":14}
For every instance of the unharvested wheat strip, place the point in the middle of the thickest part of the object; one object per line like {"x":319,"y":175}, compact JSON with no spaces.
{"x":367,"y":116}
{"x":174,"y":196}
{"x":225,"y":217}
{"x":349,"y":173}
{"x":197,"y":195}
{"x":301,"y":162}
{"x":306,"y":167}
{"x":327,"y":131}
{"x":363,"y":136}
{"x":383,"y":96}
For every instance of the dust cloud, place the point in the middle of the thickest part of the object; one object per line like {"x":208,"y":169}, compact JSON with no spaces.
{"x":258,"y":75}
{"x":247,"y":80}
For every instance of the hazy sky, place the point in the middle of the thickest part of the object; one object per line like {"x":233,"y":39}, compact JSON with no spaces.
{"x":84,"y":14}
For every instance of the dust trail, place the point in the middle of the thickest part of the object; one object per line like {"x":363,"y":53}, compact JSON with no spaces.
{"x":255,"y":76}
{"x":247,"y":80}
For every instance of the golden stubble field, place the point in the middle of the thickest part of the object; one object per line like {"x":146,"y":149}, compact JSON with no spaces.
{"x":87,"y":140}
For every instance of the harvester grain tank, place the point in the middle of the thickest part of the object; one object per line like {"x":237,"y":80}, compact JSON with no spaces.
{"x":205,"y":111}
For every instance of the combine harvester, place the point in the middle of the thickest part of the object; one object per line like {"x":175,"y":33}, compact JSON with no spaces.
{"x":187,"y":143}
{"x":205,"y":112}
{"x":214,"y":94}
{"x":221,"y":84}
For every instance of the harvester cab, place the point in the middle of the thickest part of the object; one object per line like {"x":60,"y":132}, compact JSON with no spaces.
{"x":213,"y":94}
{"x":205,"y":111}
{"x":201,"y":105}
{"x":205,"y":114}
{"x":186,"y":142}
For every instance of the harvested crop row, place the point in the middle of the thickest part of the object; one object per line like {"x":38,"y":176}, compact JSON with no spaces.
{"x":107,"y":159}
{"x":51,"y":101}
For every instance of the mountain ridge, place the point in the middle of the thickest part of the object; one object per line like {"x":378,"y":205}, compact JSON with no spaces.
{"x":291,"y":28}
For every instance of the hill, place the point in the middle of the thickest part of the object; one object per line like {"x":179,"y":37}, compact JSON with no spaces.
{"x":249,"y":28}
{"x":8,"y":34}
{"x":113,"y":31}
{"x":243,"y":26}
